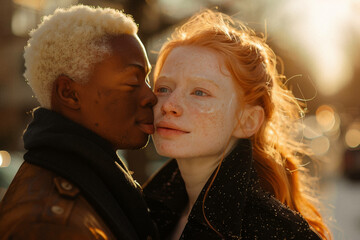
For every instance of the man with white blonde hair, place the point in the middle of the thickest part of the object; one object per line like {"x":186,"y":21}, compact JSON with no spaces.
{"x":89,"y":72}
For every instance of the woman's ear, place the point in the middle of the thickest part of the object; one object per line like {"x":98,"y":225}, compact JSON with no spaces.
{"x":65,"y":94}
{"x":250,"y":120}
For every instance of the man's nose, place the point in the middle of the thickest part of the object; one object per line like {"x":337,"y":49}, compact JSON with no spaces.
{"x":149,"y":99}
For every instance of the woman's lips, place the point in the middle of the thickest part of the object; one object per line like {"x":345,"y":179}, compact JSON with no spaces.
{"x":147,"y":128}
{"x":167,"y":130}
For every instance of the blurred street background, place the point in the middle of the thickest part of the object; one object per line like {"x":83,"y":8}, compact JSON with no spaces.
{"x":318,"y":42}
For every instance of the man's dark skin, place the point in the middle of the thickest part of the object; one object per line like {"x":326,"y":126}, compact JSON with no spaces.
{"x":72,"y":184}
{"x":116,"y":102}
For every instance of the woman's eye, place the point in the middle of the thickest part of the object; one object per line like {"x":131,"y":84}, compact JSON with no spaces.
{"x":200,"y":93}
{"x":162,"y":90}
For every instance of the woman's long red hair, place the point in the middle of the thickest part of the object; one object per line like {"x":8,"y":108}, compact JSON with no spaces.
{"x":252,"y":64}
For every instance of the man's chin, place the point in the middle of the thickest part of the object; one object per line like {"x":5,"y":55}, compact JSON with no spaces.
{"x":145,"y":143}
{"x":135,"y":145}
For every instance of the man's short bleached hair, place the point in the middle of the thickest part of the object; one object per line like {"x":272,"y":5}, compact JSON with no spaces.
{"x":71,"y":42}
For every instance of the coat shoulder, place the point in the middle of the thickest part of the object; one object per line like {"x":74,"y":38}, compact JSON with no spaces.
{"x":40,"y":203}
{"x":268,"y":217}
{"x":41,"y":230}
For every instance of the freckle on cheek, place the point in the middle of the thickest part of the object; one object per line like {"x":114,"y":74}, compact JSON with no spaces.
{"x":216,"y":120}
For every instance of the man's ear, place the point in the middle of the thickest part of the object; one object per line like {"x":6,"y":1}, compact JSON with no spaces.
{"x":65,"y":93}
{"x":249,"y":121}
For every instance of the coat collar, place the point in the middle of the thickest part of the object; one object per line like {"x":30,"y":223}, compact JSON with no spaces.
{"x":226,"y":198}
{"x":84,"y":158}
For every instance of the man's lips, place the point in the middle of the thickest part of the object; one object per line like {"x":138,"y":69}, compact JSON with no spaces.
{"x":147,"y":128}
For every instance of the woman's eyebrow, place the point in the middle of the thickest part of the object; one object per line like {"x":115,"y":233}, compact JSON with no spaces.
{"x":163,"y":77}
{"x":202,"y":79}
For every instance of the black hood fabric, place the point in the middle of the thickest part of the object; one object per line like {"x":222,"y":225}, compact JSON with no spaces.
{"x":84,"y":158}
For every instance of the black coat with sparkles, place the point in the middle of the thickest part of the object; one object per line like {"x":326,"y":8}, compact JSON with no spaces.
{"x":236,"y":206}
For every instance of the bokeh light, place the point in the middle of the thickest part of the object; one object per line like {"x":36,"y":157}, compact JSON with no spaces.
{"x":5,"y":159}
{"x":352,"y":136}
{"x":325,"y":116}
{"x":320,"y":145}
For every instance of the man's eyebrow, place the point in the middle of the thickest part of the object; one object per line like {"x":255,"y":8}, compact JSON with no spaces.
{"x":140,"y":67}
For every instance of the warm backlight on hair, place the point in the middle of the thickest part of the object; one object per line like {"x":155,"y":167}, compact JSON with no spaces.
{"x":311,"y":129}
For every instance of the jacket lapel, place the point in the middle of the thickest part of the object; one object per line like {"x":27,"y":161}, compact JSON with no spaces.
{"x":226,"y":199}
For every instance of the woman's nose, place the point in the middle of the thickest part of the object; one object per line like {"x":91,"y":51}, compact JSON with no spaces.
{"x":172,"y":106}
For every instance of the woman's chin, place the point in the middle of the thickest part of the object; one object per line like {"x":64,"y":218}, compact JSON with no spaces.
{"x":166,"y":151}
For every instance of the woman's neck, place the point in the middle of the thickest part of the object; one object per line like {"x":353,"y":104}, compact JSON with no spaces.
{"x":196,"y":172}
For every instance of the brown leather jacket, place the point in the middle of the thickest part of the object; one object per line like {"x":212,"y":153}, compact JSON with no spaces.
{"x":46,"y":206}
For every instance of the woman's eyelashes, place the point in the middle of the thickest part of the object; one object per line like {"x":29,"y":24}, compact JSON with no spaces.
{"x":201,"y":93}
{"x":162,"y":90}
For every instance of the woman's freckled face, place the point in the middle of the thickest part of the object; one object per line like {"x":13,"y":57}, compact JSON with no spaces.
{"x":196,"y":95}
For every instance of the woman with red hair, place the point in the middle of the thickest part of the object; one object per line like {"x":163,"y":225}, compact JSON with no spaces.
{"x":227,"y":121}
